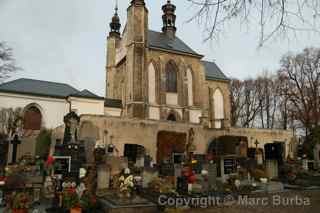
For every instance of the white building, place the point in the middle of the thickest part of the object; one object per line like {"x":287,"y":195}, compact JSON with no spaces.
{"x":44,"y":105}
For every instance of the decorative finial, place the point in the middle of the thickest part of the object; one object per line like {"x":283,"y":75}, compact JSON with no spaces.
{"x":116,"y":8}
{"x":115,"y":23}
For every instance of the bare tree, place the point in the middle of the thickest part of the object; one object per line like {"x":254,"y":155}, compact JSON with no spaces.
{"x":268,"y":96}
{"x":7,"y":62}
{"x":274,"y":17}
{"x":11,"y":121}
{"x":303,"y":92}
{"x":237,"y":103}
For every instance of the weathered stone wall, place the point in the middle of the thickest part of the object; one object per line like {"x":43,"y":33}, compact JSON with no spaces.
{"x":144,"y":132}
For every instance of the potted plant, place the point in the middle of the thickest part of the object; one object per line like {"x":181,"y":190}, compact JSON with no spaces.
{"x":71,"y":201}
{"x":20,"y":203}
{"x":89,"y":202}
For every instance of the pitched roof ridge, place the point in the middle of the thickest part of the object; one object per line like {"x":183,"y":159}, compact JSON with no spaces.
{"x":44,"y":81}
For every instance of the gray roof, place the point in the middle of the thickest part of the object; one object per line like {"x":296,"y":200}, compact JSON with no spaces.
{"x":43,"y":88}
{"x":213,"y":72}
{"x":86,"y":94}
{"x":162,"y":41}
{"x":115,"y":103}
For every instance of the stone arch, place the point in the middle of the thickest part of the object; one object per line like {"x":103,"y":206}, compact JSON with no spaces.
{"x":152,"y":79}
{"x":218,"y":108}
{"x":171,"y":117}
{"x":32,"y":117}
{"x":169,"y":142}
{"x":170,"y":114}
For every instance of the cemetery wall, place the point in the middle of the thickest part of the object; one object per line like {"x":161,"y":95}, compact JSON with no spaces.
{"x":145,"y":132}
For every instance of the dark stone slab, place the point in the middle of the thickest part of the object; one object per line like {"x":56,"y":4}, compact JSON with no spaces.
{"x":113,"y":204}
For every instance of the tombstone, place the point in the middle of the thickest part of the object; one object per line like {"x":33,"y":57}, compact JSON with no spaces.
{"x":4,"y":145}
{"x":89,"y":146}
{"x":140,"y":162}
{"x":273,"y":187}
{"x":305,"y":164}
{"x":177,"y":170}
{"x":116,"y":164}
{"x":259,"y":157}
{"x":272,"y":168}
{"x":182,"y":185}
{"x":103,"y":178}
{"x":317,"y":156}
{"x":166,"y":169}
{"x":212,"y":176}
{"x":1,"y":198}
{"x":147,"y":176}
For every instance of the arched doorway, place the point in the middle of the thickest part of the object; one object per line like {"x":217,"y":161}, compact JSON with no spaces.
{"x":172,"y":117}
{"x":32,"y":119}
{"x":170,"y":143}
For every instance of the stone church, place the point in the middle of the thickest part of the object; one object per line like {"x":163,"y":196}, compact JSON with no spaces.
{"x":158,"y":91}
{"x":162,"y":89}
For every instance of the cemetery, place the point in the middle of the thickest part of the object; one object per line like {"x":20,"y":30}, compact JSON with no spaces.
{"x":165,"y":130}
{"x":133,"y":181}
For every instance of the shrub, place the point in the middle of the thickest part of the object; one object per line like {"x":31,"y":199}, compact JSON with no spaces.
{"x":43,"y":142}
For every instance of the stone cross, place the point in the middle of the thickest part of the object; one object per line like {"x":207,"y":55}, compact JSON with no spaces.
{"x":256,"y":143}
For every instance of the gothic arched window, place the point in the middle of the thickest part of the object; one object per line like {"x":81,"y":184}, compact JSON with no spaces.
{"x":171,"y":78}
{"x":218,"y":104}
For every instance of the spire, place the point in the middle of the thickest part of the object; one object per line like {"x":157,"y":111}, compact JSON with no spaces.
{"x":169,"y":19}
{"x":115,"y":23}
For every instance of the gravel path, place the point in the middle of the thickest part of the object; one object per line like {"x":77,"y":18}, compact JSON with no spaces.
{"x":291,"y":202}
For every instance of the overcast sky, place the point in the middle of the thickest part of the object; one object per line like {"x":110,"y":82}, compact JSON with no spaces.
{"x":65,"y":40}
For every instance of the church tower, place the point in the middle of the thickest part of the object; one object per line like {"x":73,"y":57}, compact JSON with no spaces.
{"x":113,"y":41}
{"x":137,"y":40}
{"x":169,"y":19}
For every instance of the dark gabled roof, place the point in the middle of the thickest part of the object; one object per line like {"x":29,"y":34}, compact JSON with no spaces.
{"x":44,"y":88}
{"x":162,"y":41}
{"x":213,"y":72}
{"x":115,"y":103}
{"x":86,"y":94}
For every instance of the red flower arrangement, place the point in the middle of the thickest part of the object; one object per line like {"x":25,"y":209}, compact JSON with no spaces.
{"x":20,"y":203}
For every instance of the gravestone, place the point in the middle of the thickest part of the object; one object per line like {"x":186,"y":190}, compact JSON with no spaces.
{"x":116,"y":164}
{"x":259,"y":157}
{"x":182,"y":185}
{"x":273,"y":187}
{"x":317,"y":156}
{"x":212,"y":176}
{"x":177,"y":170}
{"x":305,"y":164}
{"x":147,"y":176}
{"x":166,"y":169}
{"x":272,"y":168}
{"x":140,"y":162}
{"x":89,"y":146}
{"x":1,"y":198}
{"x":103,"y":178}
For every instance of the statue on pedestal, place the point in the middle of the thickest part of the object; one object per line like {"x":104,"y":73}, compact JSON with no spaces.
{"x":71,"y":121}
